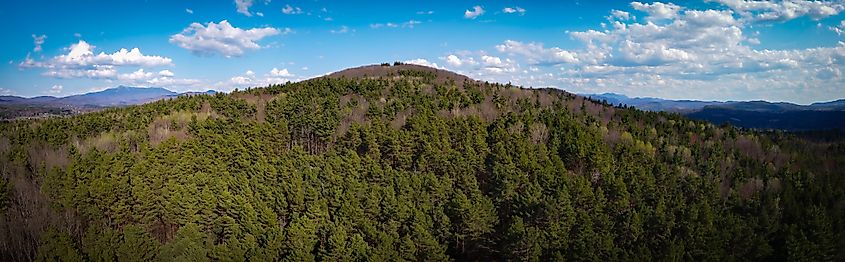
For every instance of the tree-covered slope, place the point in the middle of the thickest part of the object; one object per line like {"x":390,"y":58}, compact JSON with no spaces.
{"x":400,"y":162}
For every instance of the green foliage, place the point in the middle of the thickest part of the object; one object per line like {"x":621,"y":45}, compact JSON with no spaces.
{"x":57,"y":246}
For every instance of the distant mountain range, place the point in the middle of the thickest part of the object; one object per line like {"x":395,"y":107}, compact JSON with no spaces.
{"x":748,"y":114}
{"x":15,"y":106}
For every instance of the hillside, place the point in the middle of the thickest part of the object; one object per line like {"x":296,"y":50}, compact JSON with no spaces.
{"x":405,"y":162}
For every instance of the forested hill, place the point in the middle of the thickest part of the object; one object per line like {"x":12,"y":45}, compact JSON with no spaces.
{"x":401,"y":162}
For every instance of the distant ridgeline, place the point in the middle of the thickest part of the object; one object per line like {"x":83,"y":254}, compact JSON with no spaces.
{"x":751,"y":114}
{"x":404,"y":162}
{"x":14,"y":107}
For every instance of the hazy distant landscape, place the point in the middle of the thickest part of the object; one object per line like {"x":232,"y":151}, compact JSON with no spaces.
{"x":748,"y":114}
{"x":253,"y":130}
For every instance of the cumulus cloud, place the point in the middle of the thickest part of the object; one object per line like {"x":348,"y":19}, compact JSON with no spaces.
{"x":164,"y":78}
{"x":81,"y":54}
{"x":221,"y":38}
{"x":408,"y":24}
{"x":171,"y":82}
{"x":251,"y":79}
{"x":475,"y":12}
{"x":94,"y":72}
{"x":536,"y":53}
{"x":280,"y":73}
{"x":658,"y":10}
{"x":6,"y":91}
{"x":454,"y":60}
{"x":461,"y":59}
{"x":189,"y":11}
{"x":496,"y":65}
{"x":342,"y":30}
{"x":80,"y":61}
{"x":243,"y":6}
{"x":290,"y":10}
{"x":482,"y":65}
{"x":779,"y":11}
{"x":39,"y":40}
{"x":512,"y":10}
{"x":838,"y":29}
{"x":56,"y":89}
{"x":140,"y":74}
{"x":422,"y":62}
{"x":620,"y":15}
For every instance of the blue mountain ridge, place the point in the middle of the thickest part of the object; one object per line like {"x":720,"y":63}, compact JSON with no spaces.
{"x":748,"y":114}
{"x":116,"y":96}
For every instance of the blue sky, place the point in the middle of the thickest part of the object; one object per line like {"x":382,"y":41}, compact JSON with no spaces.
{"x":712,"y":50}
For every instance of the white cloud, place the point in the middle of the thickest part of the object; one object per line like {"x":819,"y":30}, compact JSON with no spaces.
{"x":495,"y":65}
{"x":259,"y":14}
{"x":6,"y":91}
{"x":425,"y":12}
{"x":241,"y":80}
{"x":475,"y":12}
{"x":140,"y":74}
{"x":536,"y":53}
{"x":80,"y":61}
{"x":222,"y":38}
{"x":657,"y":10}
{"x":461,"y":59}
{"x":515,"y":9}
{"x":56,"y":89}
{"x":838,"y":29}
{"x":290,"y":10}
{"x":165,"y":73}
{"x":164,"y":78}
{"x":94,"y":72}
{"x":189,"y":11}
{"x":280,"y":73}
{"x":408,"y":24}
{"x":491,"y":61}
{"x":454,"y":60}
{"x":621,"y":15}
{"x":243,"y":6}
{"x":250,"y":79}
{"x":81,"y":54}
{"x":422,"y":62}
{"x":779,"y":11}
{"x":39,"y":40}
{"x":342,"y":30}
{"x":411,"y":23}
{"x":172,"y":83}
{"x":380,"y":25}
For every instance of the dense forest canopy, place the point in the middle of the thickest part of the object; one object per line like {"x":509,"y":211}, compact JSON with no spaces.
{"x":403,"y":162}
